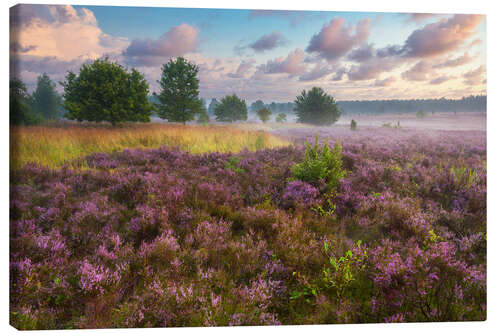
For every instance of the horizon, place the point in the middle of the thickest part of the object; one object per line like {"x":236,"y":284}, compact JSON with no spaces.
{"x":271,"y":55}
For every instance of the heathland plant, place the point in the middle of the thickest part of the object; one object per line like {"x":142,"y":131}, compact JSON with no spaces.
{"x":321,"y":165}
{"x":179,"y":95}
{"x":354,"y":125}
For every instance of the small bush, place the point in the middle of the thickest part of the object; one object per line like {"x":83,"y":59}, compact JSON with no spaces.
{"x":354,"y":125}
{"x":321,"y":165}
{"x":421,"y":113}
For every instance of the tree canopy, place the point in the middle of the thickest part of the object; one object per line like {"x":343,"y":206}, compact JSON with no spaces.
{"x":316,"y":107}
{"x":257,"y":105}
{"x":231,"y":108}
{"x":179,"y":101}
{"x":106,"y":91}
{"x":46,"y":101}
{"x":20,"y":105}
{"x":264,"y":114}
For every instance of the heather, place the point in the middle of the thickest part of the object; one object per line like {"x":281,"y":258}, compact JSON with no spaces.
{"x":163,"y":237}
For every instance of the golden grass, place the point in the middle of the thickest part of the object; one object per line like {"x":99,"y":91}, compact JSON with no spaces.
{"x":54,"y":146}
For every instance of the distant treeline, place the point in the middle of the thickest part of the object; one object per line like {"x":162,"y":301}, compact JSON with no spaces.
{"x":470,"y":103}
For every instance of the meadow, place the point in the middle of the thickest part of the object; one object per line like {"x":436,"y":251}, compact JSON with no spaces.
{"x":156,"y":236}
{"x":56,"y":145}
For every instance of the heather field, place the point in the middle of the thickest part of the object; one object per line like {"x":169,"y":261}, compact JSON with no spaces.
{"x":163,"y":235}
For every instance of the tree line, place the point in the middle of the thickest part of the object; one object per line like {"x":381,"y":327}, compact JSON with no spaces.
{"x":106,"y":91}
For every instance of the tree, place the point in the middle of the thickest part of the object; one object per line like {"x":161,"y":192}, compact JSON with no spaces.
{"x":257,"y":105}
{"x":316,"y":107}
{"x":421,"y":113}
{"x":281,"y":117}
{"x":203,"y":117}
{"x":46,"y":101}
{"x":106,"y":91}
{"x":20,"y":105}
{"x":179,"y":101}
{"x":264,"y":114}
{"x":231,"y":108}
{"x":212,"y":106}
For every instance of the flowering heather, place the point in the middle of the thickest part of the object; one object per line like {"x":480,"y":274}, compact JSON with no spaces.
{"x":162,"y":237}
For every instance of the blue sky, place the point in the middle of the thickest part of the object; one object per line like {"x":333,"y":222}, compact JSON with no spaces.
{"x":262,"y":54}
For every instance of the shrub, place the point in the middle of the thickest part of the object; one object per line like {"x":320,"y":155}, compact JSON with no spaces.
{"x":281,"y":118}
{"x":354,"y":125}
{"x":421,"y":113}
{"x":321,"y":165}
{"x":264,"y":114}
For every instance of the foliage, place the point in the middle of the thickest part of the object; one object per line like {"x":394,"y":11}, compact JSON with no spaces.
{"x":321,"y":166}
{"x":281,"y":117}
{"x":211,"y":107}
{"x":203,"y":117}
{"x":421,"y":114}
{"x":354,"y":125}
{"x":20,"y":105}
{"x":56,"y":146}
{"x":163,"y":238}
{"x":316,"y":107}
{"x":46,"y":101}
{"x":257,"y":105}
{"x":179,"y":95}
{"x":231,"y":108}
{"x":106,"y":91}
{"x":264,"y":114}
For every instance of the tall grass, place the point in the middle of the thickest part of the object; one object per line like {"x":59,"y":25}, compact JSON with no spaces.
{"x":54,"y":146}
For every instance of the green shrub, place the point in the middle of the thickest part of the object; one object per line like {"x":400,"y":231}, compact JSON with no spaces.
{"x":320,"y":165}
{"x":421,"y":113}
{"x":354,"y":125}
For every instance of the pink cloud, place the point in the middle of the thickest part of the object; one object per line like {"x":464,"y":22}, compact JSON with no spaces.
{"x":385,"y":82}
{"x":293,"y":64}
{"x":459,"y":61}
{"x":178,"y":41}
{"x":441,"y":79}
{"x":336,"y":39}
{"x":268,"y":42}
{"x":421,"y":71}
{"x":475,"y":76}
{"x":244,"y":67}
{"x":442,"y":37}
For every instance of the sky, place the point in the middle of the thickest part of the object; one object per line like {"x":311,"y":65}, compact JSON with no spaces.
{"x":261,"y":54}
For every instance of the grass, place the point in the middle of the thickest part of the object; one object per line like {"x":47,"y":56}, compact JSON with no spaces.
{"x":54,"y":146}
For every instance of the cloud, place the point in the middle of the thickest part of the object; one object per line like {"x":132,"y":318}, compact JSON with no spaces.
{"x":475,"y":76}
{"x":385,"y":82}
{"x":319,"y":71}
{"x":178,"y":41}
{"x":362,"y":53}
{"x":459,"y":61}
{"x":440,"y":79}
{"x":441,"y":37}
{"x":419,"y":72}
{"x":60,"y":31}
{"x":293,"y":64}
{"x":339,"y":74}
{"x":372,"y":68}
{"x":336,"y":39}
{"x":243,"y":69}
{"x":268,"y":42}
